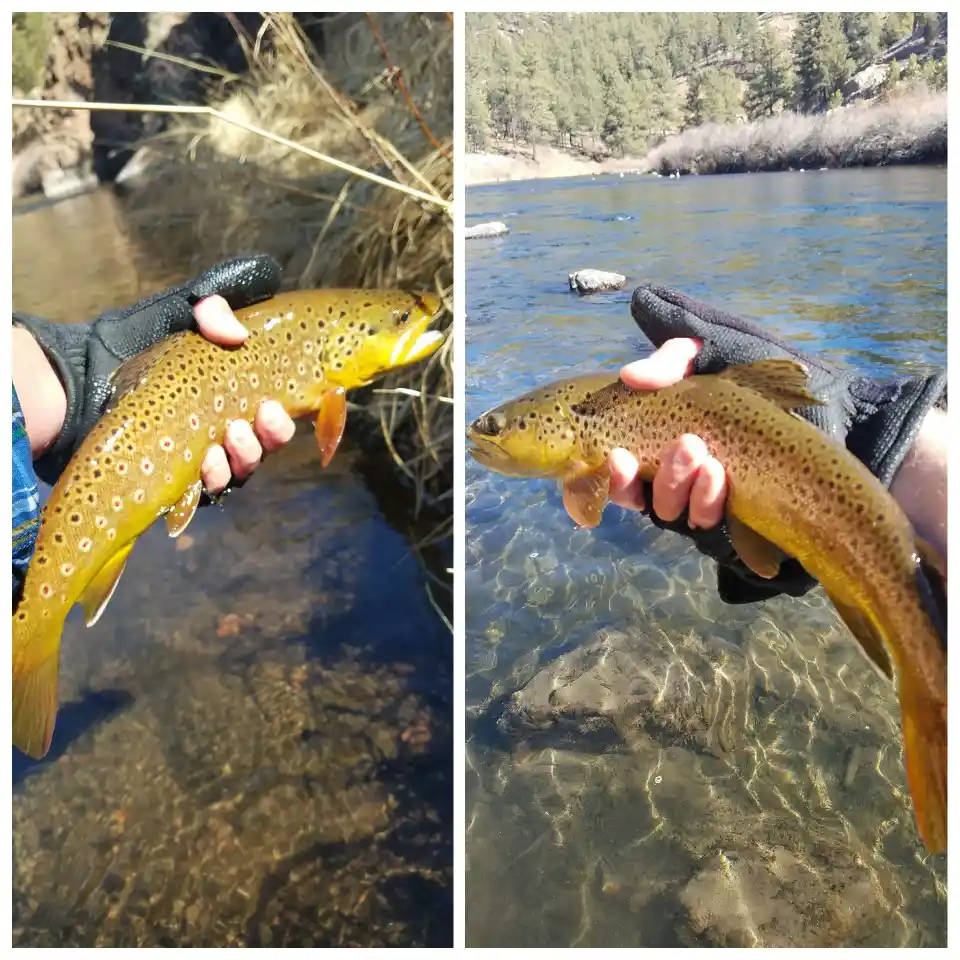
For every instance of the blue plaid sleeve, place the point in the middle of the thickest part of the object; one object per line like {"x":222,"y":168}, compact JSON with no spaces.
{"x":26,"y":498}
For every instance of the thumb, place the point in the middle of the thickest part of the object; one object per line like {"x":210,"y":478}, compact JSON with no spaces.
{"x":672,"y":362}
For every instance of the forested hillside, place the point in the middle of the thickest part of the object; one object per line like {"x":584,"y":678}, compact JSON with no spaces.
{"x":610,"y":84}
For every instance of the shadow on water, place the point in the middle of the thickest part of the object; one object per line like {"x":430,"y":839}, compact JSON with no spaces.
{"x":255,"y":744}
{"x":645,"y":765}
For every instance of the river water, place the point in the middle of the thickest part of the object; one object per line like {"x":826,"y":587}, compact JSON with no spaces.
{"x":254,"y":742}
{"x":645,"y":765}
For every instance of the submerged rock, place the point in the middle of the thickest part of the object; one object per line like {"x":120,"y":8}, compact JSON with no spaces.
{"x":780,"y":899}
{"x":596,"y":281}
{"x":482,"y":230}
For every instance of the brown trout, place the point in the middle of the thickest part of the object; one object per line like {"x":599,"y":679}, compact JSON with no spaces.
{"x":143,"y":459}
{"x":793,"y":492}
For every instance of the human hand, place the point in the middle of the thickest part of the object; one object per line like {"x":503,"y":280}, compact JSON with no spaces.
{"x":244,"y":446}
{"x":688,"y":494}
{"x":85,"y":355}
{"x":689,"y":479}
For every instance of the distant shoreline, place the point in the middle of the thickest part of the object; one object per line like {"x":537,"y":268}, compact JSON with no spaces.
{"x":906,"y":130}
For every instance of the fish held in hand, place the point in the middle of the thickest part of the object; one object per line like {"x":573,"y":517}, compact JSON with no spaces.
{"x":305,"y":349}
{"x":793,"y":492}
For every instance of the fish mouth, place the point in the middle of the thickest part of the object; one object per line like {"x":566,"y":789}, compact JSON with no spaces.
{"x":419,"y":341}
{"x":488,"y":453}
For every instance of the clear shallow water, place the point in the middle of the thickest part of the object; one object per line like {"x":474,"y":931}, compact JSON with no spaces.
{"x":254,"y":743}
{"x":647,"y":766}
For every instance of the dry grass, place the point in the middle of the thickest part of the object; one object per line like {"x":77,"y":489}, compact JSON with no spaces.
{"x":909,"y":129}
{"x":214,"y":190}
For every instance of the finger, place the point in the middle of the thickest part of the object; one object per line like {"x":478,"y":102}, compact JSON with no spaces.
{"x":672,"y":362}
{"x":679,"y":464}
{"x":273,"y":426}
{"x":626,"y":487}
{"x":215,"y":471}
{"x":243,"y":448}
{"x":709,"y":495}
{"x":218,"y":323}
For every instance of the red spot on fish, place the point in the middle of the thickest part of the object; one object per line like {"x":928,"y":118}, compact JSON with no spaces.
{"x":117,"y":503}
{"x":121,"y":468}
{"x":194,"y":422}
{"x":101,"y":522}
{"x":217,"y":404}
{"x":139,"y":496}
{"x":46,"y":591}
{"x":166,"y":443}
{"x":146,"y":466}
{"x":66,"y":569}
{"x":85,"y":544}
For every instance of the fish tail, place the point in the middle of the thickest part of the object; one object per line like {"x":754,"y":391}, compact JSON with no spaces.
{"x":35,"y":704}
{"x":925,"y":753}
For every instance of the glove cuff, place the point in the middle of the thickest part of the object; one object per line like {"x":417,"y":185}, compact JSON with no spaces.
{"x":65,"y":346}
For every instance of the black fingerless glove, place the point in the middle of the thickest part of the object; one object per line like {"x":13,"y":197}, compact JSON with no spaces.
{"x":85,"y":355}
{"x":877,"y":420}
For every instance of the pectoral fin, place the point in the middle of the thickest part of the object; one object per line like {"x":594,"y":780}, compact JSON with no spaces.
{"x":178,"y":517}
{"x":101,"y":588}
{"x":758,"y":553}
{"x":331,"y":421}
{"x":925,"y":756}
{"x":866,"y":635}
{"x":783,"y":381}
{"x":585,"y":494}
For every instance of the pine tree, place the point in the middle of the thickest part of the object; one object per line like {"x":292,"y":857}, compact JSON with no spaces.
{"x":833,"y":57}
{"x":714,"y":96}
{"x":805,"y":43}
{"x":772,"y":84}
{"x":863,"y":36}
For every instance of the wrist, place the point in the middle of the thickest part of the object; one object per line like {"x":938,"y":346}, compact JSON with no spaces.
{"x":40,"y":391}
{"x":920,"y":484}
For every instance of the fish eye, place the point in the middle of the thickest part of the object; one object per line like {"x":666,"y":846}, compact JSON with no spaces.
{"x":404,"y":318}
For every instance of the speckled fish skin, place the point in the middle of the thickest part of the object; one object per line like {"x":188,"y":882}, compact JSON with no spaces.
{"x":790,"y":487}
{"x":143,"y":459}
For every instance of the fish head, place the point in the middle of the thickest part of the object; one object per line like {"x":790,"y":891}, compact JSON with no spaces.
{"x":538,"y":434}
{"x":394,"y":332}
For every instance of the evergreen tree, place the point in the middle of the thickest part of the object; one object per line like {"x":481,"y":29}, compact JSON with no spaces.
{"x":771,"y":85}
{"x":713,"y":96}
{"x":476,"y":114}
{"x":863,"y":36}
{"x":805,"y":43}
{"x":833,"y":59}
{"x":895,"y":27}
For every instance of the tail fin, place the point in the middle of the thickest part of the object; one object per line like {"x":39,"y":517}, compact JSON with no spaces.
{"x":925,"y":751}
{"x":35,"y":704}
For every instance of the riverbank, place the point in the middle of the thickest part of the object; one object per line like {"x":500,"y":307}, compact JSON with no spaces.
{"x":911,"y":128}
{"x":547,"y":163}
{"x":906,"y":129}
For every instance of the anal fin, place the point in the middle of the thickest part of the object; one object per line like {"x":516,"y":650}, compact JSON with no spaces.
{"x":178,"y":517}
{"x":101,"y":588}
{"x":866,"y":635}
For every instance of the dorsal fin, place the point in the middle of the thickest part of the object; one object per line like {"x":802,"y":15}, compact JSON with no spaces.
{"x":782,"y":381}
